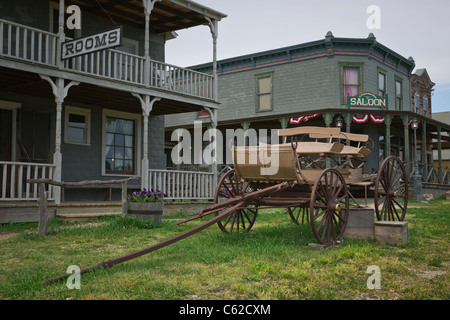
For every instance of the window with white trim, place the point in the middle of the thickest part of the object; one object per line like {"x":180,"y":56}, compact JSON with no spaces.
{"x":121,"y":143}
{"x":77,"y":126}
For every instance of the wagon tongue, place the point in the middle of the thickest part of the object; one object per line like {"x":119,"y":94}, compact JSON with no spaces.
{"x":247,"y":198}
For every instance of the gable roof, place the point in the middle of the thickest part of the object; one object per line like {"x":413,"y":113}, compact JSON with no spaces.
{"x":422,"y":73}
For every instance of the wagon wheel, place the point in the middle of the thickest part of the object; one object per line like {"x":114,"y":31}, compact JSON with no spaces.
{"x":242,"y":219}
{"x":329,"y":207}
{"x":295,"y":212}
{"x":391,"y":190}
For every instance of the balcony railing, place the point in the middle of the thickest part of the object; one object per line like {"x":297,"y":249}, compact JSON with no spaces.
{"x":40,"y":47}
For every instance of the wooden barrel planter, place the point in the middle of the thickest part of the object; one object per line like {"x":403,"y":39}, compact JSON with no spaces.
{"x":146,"y":211}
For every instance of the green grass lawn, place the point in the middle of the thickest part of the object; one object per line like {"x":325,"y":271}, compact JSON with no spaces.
{"x":273,"y":261}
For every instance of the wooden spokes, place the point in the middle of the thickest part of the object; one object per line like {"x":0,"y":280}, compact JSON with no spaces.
{"x":296,"y":212}
{"x":391,"y":190}
{"x":329,"y":207}
{"x":242,"y":219}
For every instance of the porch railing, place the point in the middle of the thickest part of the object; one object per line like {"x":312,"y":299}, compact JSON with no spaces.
{"x":431,"y":174}
{"x":40,"y":47}
{"x":14,"y":176}
{"x":182,"y":185}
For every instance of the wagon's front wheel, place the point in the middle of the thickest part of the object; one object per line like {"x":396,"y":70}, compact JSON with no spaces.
{"x":391,"y":190}
{"x":242,"y":219}
{"x":329,"y":207}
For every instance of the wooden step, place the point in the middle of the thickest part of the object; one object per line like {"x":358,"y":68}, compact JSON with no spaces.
{"x":80,"y":213}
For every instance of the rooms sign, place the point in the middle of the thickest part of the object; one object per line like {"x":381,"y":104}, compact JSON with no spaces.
{"x":366,"y":99}
{"x":89,"y":44}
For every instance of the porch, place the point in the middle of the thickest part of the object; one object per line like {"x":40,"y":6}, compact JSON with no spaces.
{"x":187,"y":191}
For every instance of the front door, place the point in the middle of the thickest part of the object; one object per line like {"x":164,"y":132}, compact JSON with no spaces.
{"x":6,"y":117}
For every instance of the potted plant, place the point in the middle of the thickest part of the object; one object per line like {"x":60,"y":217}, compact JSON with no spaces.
{"x":146,"y":204}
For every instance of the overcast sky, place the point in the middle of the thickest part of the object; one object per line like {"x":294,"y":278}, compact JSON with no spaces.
{"x":420,"y":29}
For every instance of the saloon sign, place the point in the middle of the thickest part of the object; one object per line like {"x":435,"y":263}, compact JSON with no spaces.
{"x":367,"y":99}
{"x":96,"y":42}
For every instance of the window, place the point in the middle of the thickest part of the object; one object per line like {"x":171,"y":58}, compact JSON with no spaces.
{"x":425,"y":106}
{"x":119,"y":146}
{"x":351,"y":82}
{"x":77,"y":126}
{"x":381,"y":84}
{"x":398,"y":95}
{"x":416,"y":102}
{"x":264,"y":92}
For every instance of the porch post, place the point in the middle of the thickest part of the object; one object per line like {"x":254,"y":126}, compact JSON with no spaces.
{"x":348,"y":122}
{"x":387,"y":137}
{"x":424,"y":151}
{"x":213,"y":26}
{"x":148,"y":7}
{"x":328,"y":117}
{"x":213,"y":114}
{"x":60,"y":92}
{"x":147,"y":106}
{"x":439,"y":145}
{"x":406,"y":145}
{"x":61,"y":35}
{"x":284,"y":122}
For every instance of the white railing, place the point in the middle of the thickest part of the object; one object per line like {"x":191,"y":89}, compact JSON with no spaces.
{"x":110,"y":64}
{"x":40,"y":47}
{"x":181,"y":80}
{"x":182,"y":185}
{"x":14,"y":176}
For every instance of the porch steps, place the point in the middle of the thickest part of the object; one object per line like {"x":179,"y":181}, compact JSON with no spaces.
{"x":71,"y":211}
{"x":84,"y":211}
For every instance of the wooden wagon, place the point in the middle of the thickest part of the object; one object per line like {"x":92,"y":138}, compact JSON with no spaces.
{"x":301,"y":183}
{"x":313,"y":180}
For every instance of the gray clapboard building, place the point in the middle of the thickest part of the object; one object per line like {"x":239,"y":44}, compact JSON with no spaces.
{"x":98,"y":115}
{"x":311,"y":83}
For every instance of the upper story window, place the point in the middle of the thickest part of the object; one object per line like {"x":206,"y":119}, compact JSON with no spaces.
{"x":381,"y":84}
{"x":398,"y":95}
{"x":264,"y":91}
{"x":425,"y":106}
{"x":416,"y":103}
{"x":350,"y":80}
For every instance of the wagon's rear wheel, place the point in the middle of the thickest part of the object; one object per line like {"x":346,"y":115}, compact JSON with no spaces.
{"x":228,"y":188}
{"x":329,"y":207}
{"x":391,"y":190}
